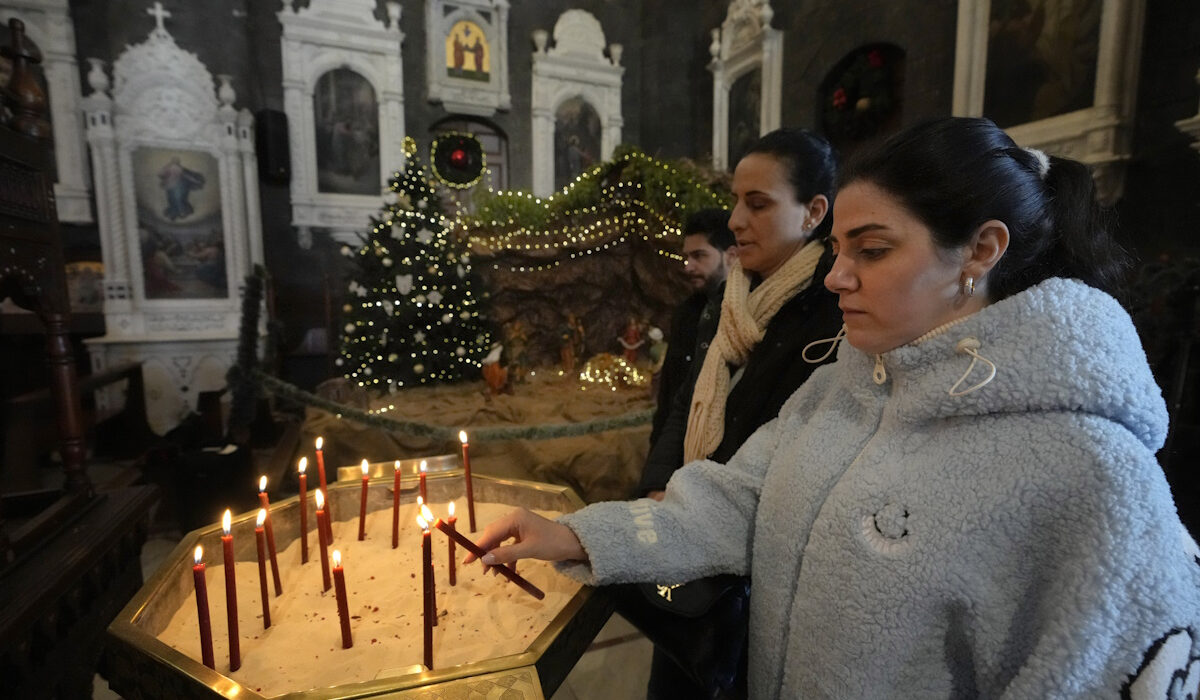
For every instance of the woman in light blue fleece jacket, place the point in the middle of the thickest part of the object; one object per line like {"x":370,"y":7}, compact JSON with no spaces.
{"x":966,"y":504}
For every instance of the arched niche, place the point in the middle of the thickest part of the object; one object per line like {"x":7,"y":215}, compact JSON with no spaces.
{"x":567,"y":75}
{"x":342,"y":43}
{"x":747,"y":68}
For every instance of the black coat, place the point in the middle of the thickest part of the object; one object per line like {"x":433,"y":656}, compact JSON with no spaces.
{"x":681,"y":349}
{"x":773,"y":372}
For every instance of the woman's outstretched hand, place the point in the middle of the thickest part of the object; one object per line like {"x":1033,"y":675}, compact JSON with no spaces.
{"x":534,"y":537}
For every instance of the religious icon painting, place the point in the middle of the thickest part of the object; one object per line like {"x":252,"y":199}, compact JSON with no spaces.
{"x":181,"y":236}
{"x":467,"y":52}
{"x":467,"y":69}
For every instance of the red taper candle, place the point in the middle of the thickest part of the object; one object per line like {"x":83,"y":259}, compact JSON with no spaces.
{"x":321,"y":470}
{"x":270,"y":530}
{"x":303,"y":511}
{"x":505,"y":571}
{"x":362,"y":507}
{"x":426,"y":566}
{"x":322,"y":516}
{"x":451,"y":520}
{"x":235,"y":649}
{"x":466,"y":452}
{"x":424,"y":494}
{"x":206,"y":647}
{"x":396,"y":506}
{"x":339,"y":585}
{"x":431,"y":601}
{"x":260,"y":542}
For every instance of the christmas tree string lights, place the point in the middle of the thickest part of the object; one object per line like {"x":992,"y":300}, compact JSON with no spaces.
{"x":412,"y":310}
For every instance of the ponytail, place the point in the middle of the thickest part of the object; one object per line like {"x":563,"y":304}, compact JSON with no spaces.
{"x":1084,"y":245}
{"x":956,"y":173}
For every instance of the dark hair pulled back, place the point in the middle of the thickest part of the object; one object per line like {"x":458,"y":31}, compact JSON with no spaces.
{"x":811,"y":167}
{"x":713,"y":224}
{"x":956,"y":173}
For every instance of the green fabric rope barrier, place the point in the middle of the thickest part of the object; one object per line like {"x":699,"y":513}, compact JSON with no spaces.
{"x":548,"y":431}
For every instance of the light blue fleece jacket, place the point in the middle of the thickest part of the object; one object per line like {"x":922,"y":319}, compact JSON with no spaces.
{"x":1016,"y":542}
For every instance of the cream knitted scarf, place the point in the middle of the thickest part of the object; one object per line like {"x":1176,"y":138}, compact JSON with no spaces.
{"x":744,"y":319}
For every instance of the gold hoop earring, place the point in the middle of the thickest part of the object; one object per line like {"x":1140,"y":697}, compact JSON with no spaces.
{"x":969,"y":286}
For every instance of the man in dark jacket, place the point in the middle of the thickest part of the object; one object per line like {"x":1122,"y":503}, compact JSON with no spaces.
{"x":708,"y":251}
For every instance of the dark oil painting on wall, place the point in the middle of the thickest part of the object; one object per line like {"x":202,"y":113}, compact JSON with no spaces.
{"x":181,"y":237}
{"x":576,"y":140}
{"x":1041,"y":58}
{"x":346,"y":118}
{"x":745,"y":120}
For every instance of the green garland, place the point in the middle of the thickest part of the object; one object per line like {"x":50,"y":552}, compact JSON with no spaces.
{"x":548,"y":431}
{"x":671,"y":188}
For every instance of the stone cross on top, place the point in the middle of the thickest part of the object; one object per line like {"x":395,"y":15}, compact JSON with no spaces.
{"x":159,"y":15}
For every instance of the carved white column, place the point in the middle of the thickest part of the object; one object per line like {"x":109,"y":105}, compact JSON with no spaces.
{"x":100,"y":136}
{"x":249,"y":161}
{"x":745,"y":42}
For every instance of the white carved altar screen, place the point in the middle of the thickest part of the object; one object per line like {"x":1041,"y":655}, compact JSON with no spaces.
{"x":180,"y":225}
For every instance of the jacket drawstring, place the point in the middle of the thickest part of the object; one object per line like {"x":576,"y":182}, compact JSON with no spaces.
{"x":833,"y":343}
{"x":970,"y":346}
{"x":880,"y":373}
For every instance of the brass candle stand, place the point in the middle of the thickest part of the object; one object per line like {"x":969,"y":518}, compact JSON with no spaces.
{"x":139,"y":665}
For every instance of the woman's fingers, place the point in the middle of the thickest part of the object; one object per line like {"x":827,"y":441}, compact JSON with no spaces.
{"x":532,"y":537}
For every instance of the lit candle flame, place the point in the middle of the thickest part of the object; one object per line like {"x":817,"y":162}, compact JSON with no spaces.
{"x":420,"y":501}
{"x":227,"y":520}
{"x":262,"y":483}
{"x":262,"y":516}
{"x":303,"y":464}
{"x":337,"y":558}
{"x":462,"y":436}
{"x":320,"y":499}
{"x":320,"y":441}
{"x":199,"y":554}
{"x":396,"y":466}
{"x":421,"y":521}
{"x":451,"y":509}
{"x":365,"y":467}
{"x":426,"y":513}
{"x":422,"y":465}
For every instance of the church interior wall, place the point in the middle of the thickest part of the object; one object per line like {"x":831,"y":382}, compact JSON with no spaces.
{"x":666,"y":97}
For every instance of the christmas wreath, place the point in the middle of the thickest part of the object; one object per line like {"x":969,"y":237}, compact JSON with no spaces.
{"x":861,"y":94}
{"x":458,"y":159}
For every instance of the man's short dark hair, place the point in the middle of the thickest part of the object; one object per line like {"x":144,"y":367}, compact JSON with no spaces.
{"x":713,"y":224}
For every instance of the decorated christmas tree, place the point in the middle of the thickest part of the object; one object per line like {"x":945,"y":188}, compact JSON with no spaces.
{"x":413,"y":304}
